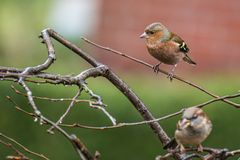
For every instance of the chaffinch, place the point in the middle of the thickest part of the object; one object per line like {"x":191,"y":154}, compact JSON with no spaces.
{"x":165,"y":46}
{"x":193,"y":128}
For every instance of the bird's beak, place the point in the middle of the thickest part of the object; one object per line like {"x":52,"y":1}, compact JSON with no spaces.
{"x":144,"y":35}
{"x":185,"y":123}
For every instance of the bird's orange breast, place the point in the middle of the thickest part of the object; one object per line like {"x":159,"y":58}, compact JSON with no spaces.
{"x":166,"y":52}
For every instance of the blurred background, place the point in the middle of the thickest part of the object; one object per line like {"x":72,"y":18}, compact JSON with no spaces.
{"x":211,"y":29}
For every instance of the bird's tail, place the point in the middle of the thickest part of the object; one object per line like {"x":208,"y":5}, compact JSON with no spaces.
{"x":189,"y":60}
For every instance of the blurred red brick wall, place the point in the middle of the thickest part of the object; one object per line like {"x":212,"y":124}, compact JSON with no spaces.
{"x":210,"y":27}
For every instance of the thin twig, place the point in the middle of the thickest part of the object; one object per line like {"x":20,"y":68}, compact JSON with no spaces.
{"x":217,"y":99}
{"x":20,"y":155}
{"x":123,"y":124}
{"x":52,"y":99}
{"x":99,"y":101}
{"x":67,"y":111}
{"x":112,"y":119}
{"x":232,"y":153}
{"x":77,"y":144}
{"x":98,"y":104}
{"x":165,"y":157}
{"x":23,"y":147}
{"x":193,"y":155}
{"x":20,"y":109}
{"x":93,"y":104}
{"x":104,"y":127}
{"x":30,"y":98}
{"x":160,"y":70}
{"x":155,"y":120}
{"x":49,"y":78}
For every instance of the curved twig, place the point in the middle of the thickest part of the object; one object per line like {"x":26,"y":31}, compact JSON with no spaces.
{"x":21,"y":146}
{"x":160,"y":70}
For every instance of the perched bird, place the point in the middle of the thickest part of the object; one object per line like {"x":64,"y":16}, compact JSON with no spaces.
{"x":165,"y":46}
{"x":193,"y":128}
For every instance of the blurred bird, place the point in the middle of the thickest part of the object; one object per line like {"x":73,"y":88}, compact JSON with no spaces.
{"x":193,"y":128}
{"x":165,"y":46}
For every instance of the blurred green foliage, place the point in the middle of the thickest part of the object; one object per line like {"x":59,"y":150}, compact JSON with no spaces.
{"x":21,"y":22}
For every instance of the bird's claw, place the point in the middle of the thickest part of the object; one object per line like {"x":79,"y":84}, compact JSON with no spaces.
{"x":182,"y":149}
{"x":200,"y":148}
{"x":156,"y":68}
{"x":170,"y":76}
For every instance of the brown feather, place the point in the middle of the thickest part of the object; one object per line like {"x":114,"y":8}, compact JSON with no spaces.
{"x":189,"y":60}
{"x":185,"y":49}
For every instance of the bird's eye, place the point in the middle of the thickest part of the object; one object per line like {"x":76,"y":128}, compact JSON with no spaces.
{"x":150,"y":32}
{"x":194,"y":117}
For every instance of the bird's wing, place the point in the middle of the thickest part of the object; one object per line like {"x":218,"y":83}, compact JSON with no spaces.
{"x":182,"y":47}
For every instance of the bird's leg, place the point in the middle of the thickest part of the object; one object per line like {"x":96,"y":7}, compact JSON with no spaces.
{"x":200,"y":148}
{"x":182,"y":149}
{"x":156,"y":68}
{"x":171,"y":73}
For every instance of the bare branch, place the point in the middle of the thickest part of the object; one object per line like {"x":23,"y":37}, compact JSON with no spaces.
{"x":119,"y":125}
{"x":120,"y":53}
{"x":160,"y":70}
{"x":52,"y":99}
{"x":21,"y":146}
{"x":165,"y":157}
{"x":19,"y":154}
{"x":116,"y":81}
{"x":232,"y":153}
{"x":30,"y":98}
{"x":20,"y":109}
{"x":218,"y":99}
{"x":212,"y":154}
{"x":77,"y":144}
{"x":155,"y":120}
{"x":71,"y":46}
{"x":98,"y":104}
{"x":112,"y":119}
{"x":67,"y":111}
{"x":194,"y":155}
